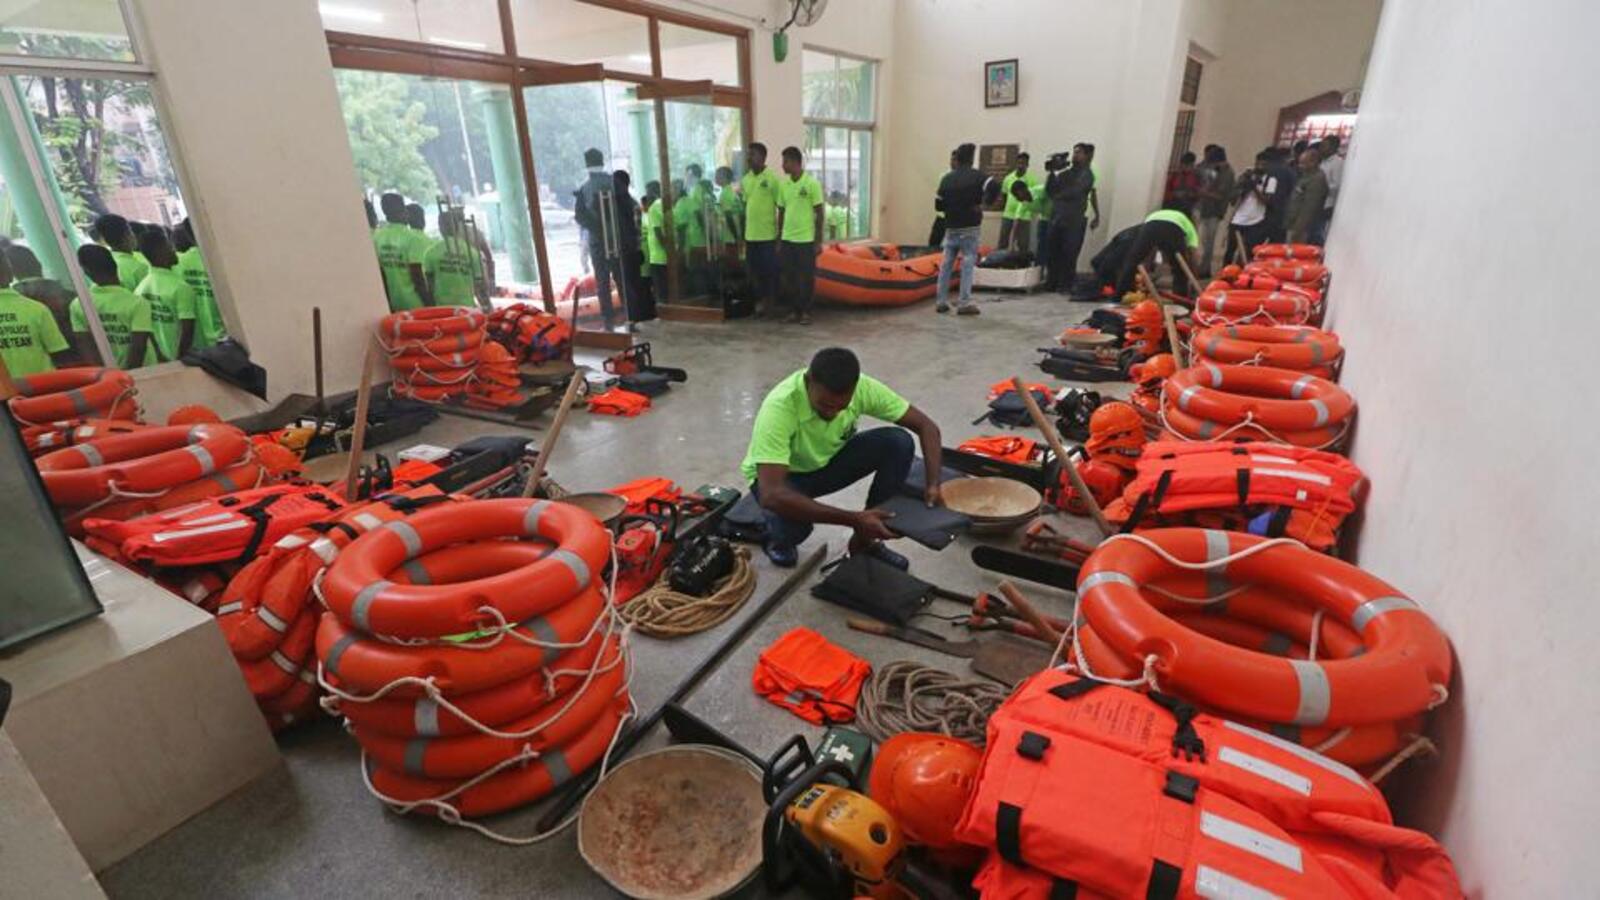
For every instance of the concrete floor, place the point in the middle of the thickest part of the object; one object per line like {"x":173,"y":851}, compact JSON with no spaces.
{"x":310,"y":829}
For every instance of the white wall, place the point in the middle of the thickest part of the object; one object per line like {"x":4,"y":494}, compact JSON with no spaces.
{"x":1278,"y":53}
{"x":250,"y":110}
{"x":1476,"y":426}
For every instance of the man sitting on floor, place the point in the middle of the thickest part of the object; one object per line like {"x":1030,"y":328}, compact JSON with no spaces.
{"x":804,"y":445}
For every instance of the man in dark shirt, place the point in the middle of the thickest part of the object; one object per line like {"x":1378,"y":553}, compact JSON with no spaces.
{"x":1279,"y":166}
{"x":960,"y":198}
{"x":1183,"y":185}
{"x":1069,"y":191}
{"x":598,"y":190}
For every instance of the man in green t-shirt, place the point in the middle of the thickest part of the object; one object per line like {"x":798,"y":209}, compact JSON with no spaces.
{"x":804,"y":445}
{"x":800,"y":208}
{"x":30,"y":340}
{"x":208,"y":326}
{"x":761,"y":187}
{"x":172,"y":304}
{"x":694,"y":211}
{"x":453,"y":266}
{"x":655,"y":240}
{"x":400,"y":250}
{"x":1016,"y":221}
{"x":28,"y":279}
{"x":124,"y":315}
{"x":729,"y":210}
{"x":838,"y":217}
{"x":117,"y":235}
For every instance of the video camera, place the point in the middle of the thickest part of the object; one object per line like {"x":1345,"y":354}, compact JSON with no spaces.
{"x":1058,"y":161}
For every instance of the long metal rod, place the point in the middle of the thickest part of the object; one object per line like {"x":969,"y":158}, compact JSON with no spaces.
{"x":581,"y":785}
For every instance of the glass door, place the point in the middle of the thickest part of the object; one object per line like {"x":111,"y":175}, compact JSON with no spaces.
{"x":704,"y":147}
{"x":584,"y":135}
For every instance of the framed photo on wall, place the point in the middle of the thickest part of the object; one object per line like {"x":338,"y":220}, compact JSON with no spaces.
{"x":1000,"y":83}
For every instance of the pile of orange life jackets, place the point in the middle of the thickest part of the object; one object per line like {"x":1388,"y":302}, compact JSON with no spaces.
{"x":433,"y":351}
{"x":619,"y":402}
{"x":531,"y":334}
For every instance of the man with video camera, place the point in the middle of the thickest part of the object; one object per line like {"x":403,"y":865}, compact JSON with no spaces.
{"x":1070,"y":187}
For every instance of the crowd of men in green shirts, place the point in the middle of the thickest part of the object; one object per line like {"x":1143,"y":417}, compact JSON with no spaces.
{"x":149,"y":286}
{"x":454,"y":269}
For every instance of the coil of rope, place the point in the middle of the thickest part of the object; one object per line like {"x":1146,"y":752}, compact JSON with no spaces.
{"x":906,"y":696}
{"x":661,"y":612}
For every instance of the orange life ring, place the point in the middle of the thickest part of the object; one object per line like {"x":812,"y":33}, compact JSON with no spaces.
{"x":552,"y":723}
{"x":1184,"y":426}
{"x":516,"y":785}
{"x":428,"y":393}
{"x":1286,"y":307}
{"x":280,"y":669}
{"x":413,"y":363}
{"x":1287,"y":251}
{"x":248,"y":474}
{"x":1402,"y":673}
{"x":459,"y":342}
{"x":356,"y":587}
{"x":431,"y":323}
{"x":1289,"y":272}
{"x":81,"y":392}
{"x":1278,"y":399}
{"x":358,"y":663}
{"x":41,"y":439}
{"x":1297,"y":347}
{"x":146,"y":461}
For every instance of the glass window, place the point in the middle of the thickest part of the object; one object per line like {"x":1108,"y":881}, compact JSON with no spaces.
{"x":695,"y":55}
{"x":446,"y":146}
{"x":838,"y":88}
{"x":567,"y":31}
{"x":65,"y":29}
{"x":838,"y":96}
{"x":463,"y":24}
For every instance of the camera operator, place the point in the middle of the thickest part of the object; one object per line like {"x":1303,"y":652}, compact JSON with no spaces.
{"x":1258,"y":188}
{"x":1069,"y":186}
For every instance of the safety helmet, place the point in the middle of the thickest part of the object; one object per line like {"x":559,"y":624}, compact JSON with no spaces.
{"x":1104,"y":481}
{"x":1160,"y":366}
{"x":1116,"y":434}
{"x":924,"y":781}
{"x":193,"y":414}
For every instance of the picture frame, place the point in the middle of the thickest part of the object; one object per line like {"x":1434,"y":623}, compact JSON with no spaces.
{"x":1000,"y":83}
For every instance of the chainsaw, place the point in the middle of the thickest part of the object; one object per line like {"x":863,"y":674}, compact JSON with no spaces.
{"x":637,"y":360}
{"x":644,"y":546}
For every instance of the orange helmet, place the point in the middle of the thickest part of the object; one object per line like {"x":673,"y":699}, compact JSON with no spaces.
{"x":194,"y":414}
{"x":924,"y":781}
{"x":1162,"y":365}
{"x":278,"y":460}
{"x":1147,"y":312}
{"x":1116,"y":434}
{"x":1230,"y":272}
{"x":1104,"y":480}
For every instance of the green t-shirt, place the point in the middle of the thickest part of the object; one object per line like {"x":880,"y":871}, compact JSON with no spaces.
{"x":123,"y":314}
{"x":1190,"y":236}
{"x":799,"y":198}
{"x":761,"y":191}
{"x":399,"y":247}
{"x":171,"y":304}
{"x":131,"y":267}
{"x":208,"y":327}
{"x":28,"y":335}
{"x":1016,"y":209}
{"x":453,"y":268}
{"x":691,"y":212}
{"x":789,"y":432}
{"x":655,"y":222}
{"x":838,"y":222}
{"x":729,"y":208}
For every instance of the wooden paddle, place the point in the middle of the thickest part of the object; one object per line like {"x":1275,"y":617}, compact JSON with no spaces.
{"x":548,"y":445}
{"x":1166,"y":318}
{"x":1244,"y":252}
{"x":1060,"y":450}
{"x":358,"y":438}
{"x":1029,"y":614}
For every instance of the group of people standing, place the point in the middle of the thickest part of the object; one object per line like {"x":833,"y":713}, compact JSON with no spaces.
{"x":454,"y":269}
{"x":149,"y":286}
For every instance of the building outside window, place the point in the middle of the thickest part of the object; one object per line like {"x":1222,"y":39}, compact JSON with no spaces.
{"x":839,"y":104}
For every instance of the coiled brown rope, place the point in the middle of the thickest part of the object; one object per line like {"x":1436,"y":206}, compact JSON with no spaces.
{"x":661,"y":612}
{"x":907,"y":696}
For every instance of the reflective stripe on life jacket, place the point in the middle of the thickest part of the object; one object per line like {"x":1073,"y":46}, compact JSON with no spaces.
{"x":230,"y":527}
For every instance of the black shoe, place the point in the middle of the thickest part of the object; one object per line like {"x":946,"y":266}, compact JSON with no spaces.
{"x":883,"y":554}
{"x":782,"y":556}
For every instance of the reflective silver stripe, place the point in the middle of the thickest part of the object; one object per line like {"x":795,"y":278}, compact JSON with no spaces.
{"x":325,"y":550}
{"x":530,"y":519}
{"x":366,"y":520}
{"x":1211,"y":348}
{"x":1374,"y":608}
{"x":80,"y":403}
{"x":91,"y":455}
{"x":1216,"y":375}
{"x":1260,"y":768}
{"x":1299,"y":386}
{"x":162,"y":536}
{"x":1316,"y":353}
{"x":272,"y":620}
{"x":1212,"y":884}
{"x":285,"y":663}
{"x":1310,"y":756}
{"x":555,"y":763}
{"x":1248,"y":839}
{"x":1277,"y":643}
{"x":1206,"y":427}
{"x":361,"y":609}
{"x":331,"y":662}
{"x":1183,"y":398}
{"x":308,"y":676}
{"x":1099,"y":578}
{"x":1301,"y":336}
{"x":580,"y":569}
{"x":416,"y":754}
{"x":425,"y":718}
{"x":1315,"y":692}
{"x":407,"y":535}
{"x":1233,"y":331}
{"x":203,"y":457}
{"x":291,"y":541}
{"x":545,"y":635}
{"x":1322,"y":412}
{"x":416,"y":572}
{"x":228,"y":609}
{"x":1217,"y":581}
{"x":195,"y":434}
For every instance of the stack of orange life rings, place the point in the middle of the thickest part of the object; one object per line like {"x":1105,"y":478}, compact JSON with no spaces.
{"x":1210,"y":402}
{"x":1297,"y":347}
{"x":433,"y":351}
{"x":1307,"y":252}
{"x":478,"y":667}
{"x":51,"y":407}
{"x":1264,"y":632}
{"x":120,"y":476}
{"x":531,"y":334}
{"x":268,"y":614}
{"x":1231,"y":307}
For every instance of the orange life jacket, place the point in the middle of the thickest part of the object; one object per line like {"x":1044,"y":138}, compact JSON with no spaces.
{"x":1000,"y":388}
{"x":1004,"y":447}
{"x":812,"y":678}
{"x":640,"y":491}
{"x":1110,"y":792}
{"x":618,"y":402}
{"x":230,"y":527}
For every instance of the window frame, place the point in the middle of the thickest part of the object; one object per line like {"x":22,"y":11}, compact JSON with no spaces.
{"x":135,"y":66}
{"x":868,"y":126}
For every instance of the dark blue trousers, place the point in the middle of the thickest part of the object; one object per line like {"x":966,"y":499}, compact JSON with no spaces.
{"x":884,"y":453}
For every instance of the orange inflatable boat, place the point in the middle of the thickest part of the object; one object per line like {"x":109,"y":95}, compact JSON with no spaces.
{"x":871,"y":274}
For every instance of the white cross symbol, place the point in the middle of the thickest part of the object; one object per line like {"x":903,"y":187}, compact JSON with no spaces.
{"x":841,"y":753}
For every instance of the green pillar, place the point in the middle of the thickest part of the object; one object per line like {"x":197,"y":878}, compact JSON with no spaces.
{"x":27,"y":200}
{"x":504,"y":156}
{"x":642,"y":144}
